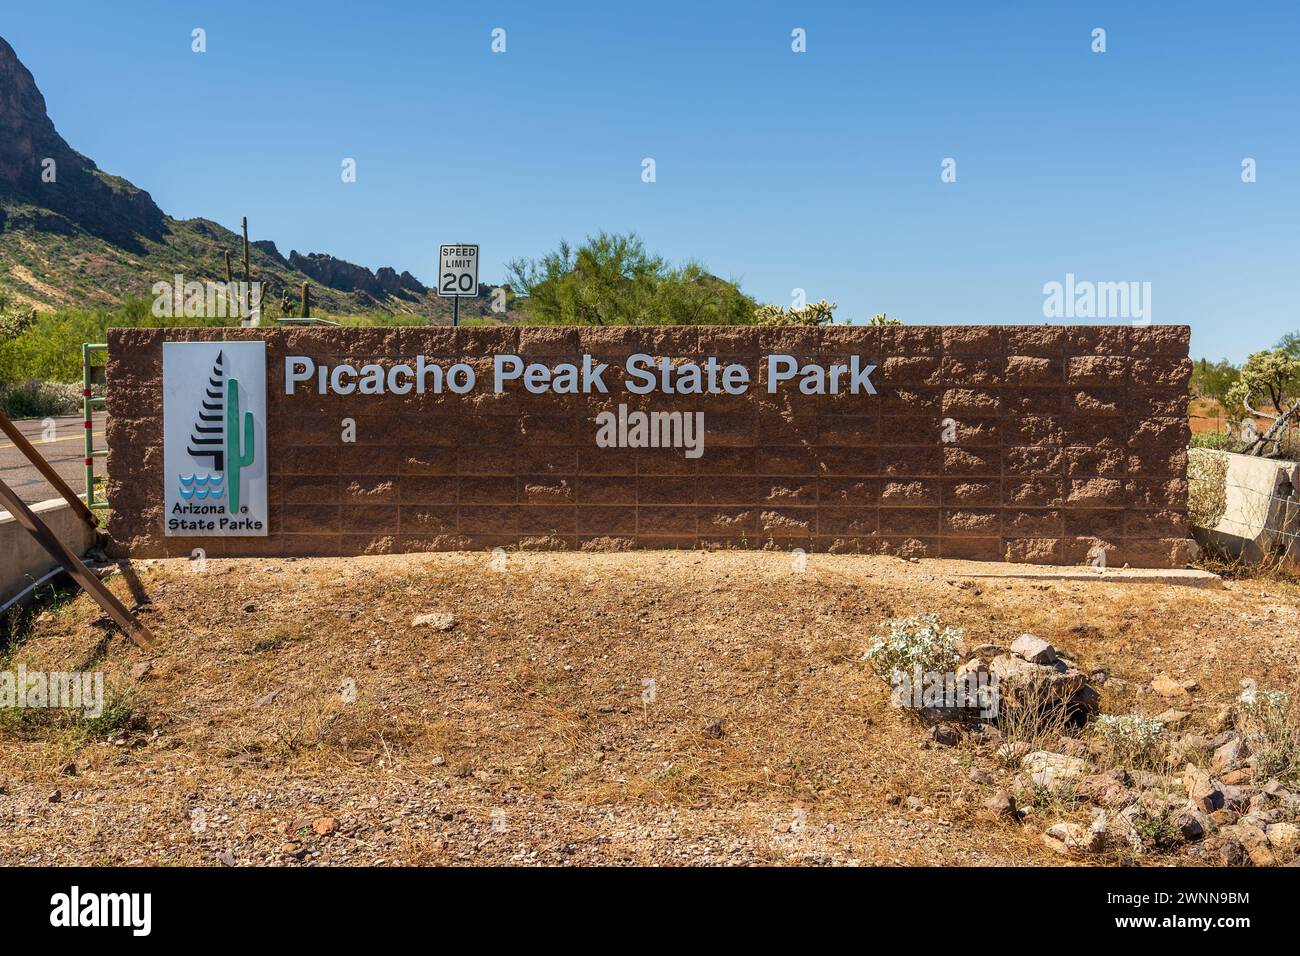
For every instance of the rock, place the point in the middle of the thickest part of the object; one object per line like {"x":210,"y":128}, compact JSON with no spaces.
{"x":1274,"y":789}
{"x":1125,"y":829}
{"x":141,"y":670}
{"x":1188,"y":746}
{"x":1013,"y":752}
{"x":915,"y":803}
{"x":1148,"y":780}
{"x":1051,"y":771}
{"x":977,"y":775}
{"x":1202,"y":791}
{"x":226,"y":858}
{"x":69,"y":769}
{"x":1059,"y":684}
{"x":1073,"y":838}
{"x":1002,"y":803}
{"x":1238,"y":796}
{"x":324,"y":826}
{"x":1225,"y":817}
{"x":1073,"y":747}
{"x":1190,"y":823}
{"x":1166,"y":686}
{"x":1229,"y":756}
{"x":1238,"y":777}
{"x":437,"y":620}
{"x":1105,"y":790}
{"x":1033,"y":649}
{"x":1282,"y":836}
{"x":1173,"y":719}
{"x":945,"y":735}
{"x":268,"y":699}
{"x":1221,"y":738}
{"x":439,"y":761}
{"x":986,"y":650}
{"x":1255,"y":840}
{"x":714,"y":730}
{"x":1232,"y":853}
{"x":56,"y":796}
{"x":984,"y":734}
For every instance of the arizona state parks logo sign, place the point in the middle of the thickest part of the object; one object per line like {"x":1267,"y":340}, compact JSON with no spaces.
{"x":214,"y":438}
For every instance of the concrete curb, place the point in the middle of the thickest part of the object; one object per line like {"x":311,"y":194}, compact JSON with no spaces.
{"x":22,"y":559}
{"x":1188,"y":577}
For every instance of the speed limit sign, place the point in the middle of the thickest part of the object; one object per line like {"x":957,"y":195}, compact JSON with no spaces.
{"x":458,"y":270}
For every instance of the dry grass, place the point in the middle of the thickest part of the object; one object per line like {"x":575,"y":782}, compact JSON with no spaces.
{"x":532,"y":709}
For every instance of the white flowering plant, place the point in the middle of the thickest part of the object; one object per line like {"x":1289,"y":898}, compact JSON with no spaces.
{"x":1134,"y":740}
{"x":1270,"y":722}
{"x":905,"y":643}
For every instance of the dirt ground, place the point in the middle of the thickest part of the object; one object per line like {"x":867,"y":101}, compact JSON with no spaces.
{"x":294,"y":715}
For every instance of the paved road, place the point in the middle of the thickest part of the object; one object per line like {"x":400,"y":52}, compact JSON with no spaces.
{"x":65,"y":452}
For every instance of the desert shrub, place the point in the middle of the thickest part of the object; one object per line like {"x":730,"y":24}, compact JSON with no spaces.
{"x":1207,"y":499}
{"x":1133,"y":740}
{"x":37,"y":399}
{"x":50,"y":349}
{"x":920,"y":640}
{"x":1270,"y":722}
{"x":1033,"y":722}
{"x":1216,"y":441}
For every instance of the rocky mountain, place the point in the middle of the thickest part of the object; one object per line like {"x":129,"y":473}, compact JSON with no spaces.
{"x":74,"y":235}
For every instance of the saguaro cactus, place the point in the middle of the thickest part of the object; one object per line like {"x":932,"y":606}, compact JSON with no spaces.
{"x":239,"y":455}
{"x":306,"y":300}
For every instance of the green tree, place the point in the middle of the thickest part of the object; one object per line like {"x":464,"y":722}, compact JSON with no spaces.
{"x":1213,"y":379}
{"x":612,"y":280}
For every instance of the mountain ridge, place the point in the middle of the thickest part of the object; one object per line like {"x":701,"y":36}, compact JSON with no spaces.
{"x":72,"y":234}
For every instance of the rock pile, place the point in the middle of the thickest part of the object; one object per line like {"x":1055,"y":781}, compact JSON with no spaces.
{"x":1035,"y":675}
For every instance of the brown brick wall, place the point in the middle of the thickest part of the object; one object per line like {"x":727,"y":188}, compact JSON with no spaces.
{"x":1067,"y":438}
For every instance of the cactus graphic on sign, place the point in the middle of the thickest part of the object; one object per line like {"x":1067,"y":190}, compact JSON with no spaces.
{"x":238,"y":456}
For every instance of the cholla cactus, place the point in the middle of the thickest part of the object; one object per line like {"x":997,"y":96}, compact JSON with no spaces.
{"x":14,"y":321}
{"x":813,"y":314}
{"x":910,"y":641}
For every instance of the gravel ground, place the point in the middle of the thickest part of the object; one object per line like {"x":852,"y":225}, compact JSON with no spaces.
{"x":639,"y":708}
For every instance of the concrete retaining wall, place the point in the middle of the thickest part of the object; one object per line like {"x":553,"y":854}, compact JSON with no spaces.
{"x":1255,"y":507}
{"x":22,"y":559}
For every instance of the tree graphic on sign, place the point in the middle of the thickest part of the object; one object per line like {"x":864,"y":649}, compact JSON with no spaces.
{"x":207,"y":440}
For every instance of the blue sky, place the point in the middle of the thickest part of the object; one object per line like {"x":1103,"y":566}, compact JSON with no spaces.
{"x":818,"y":171}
